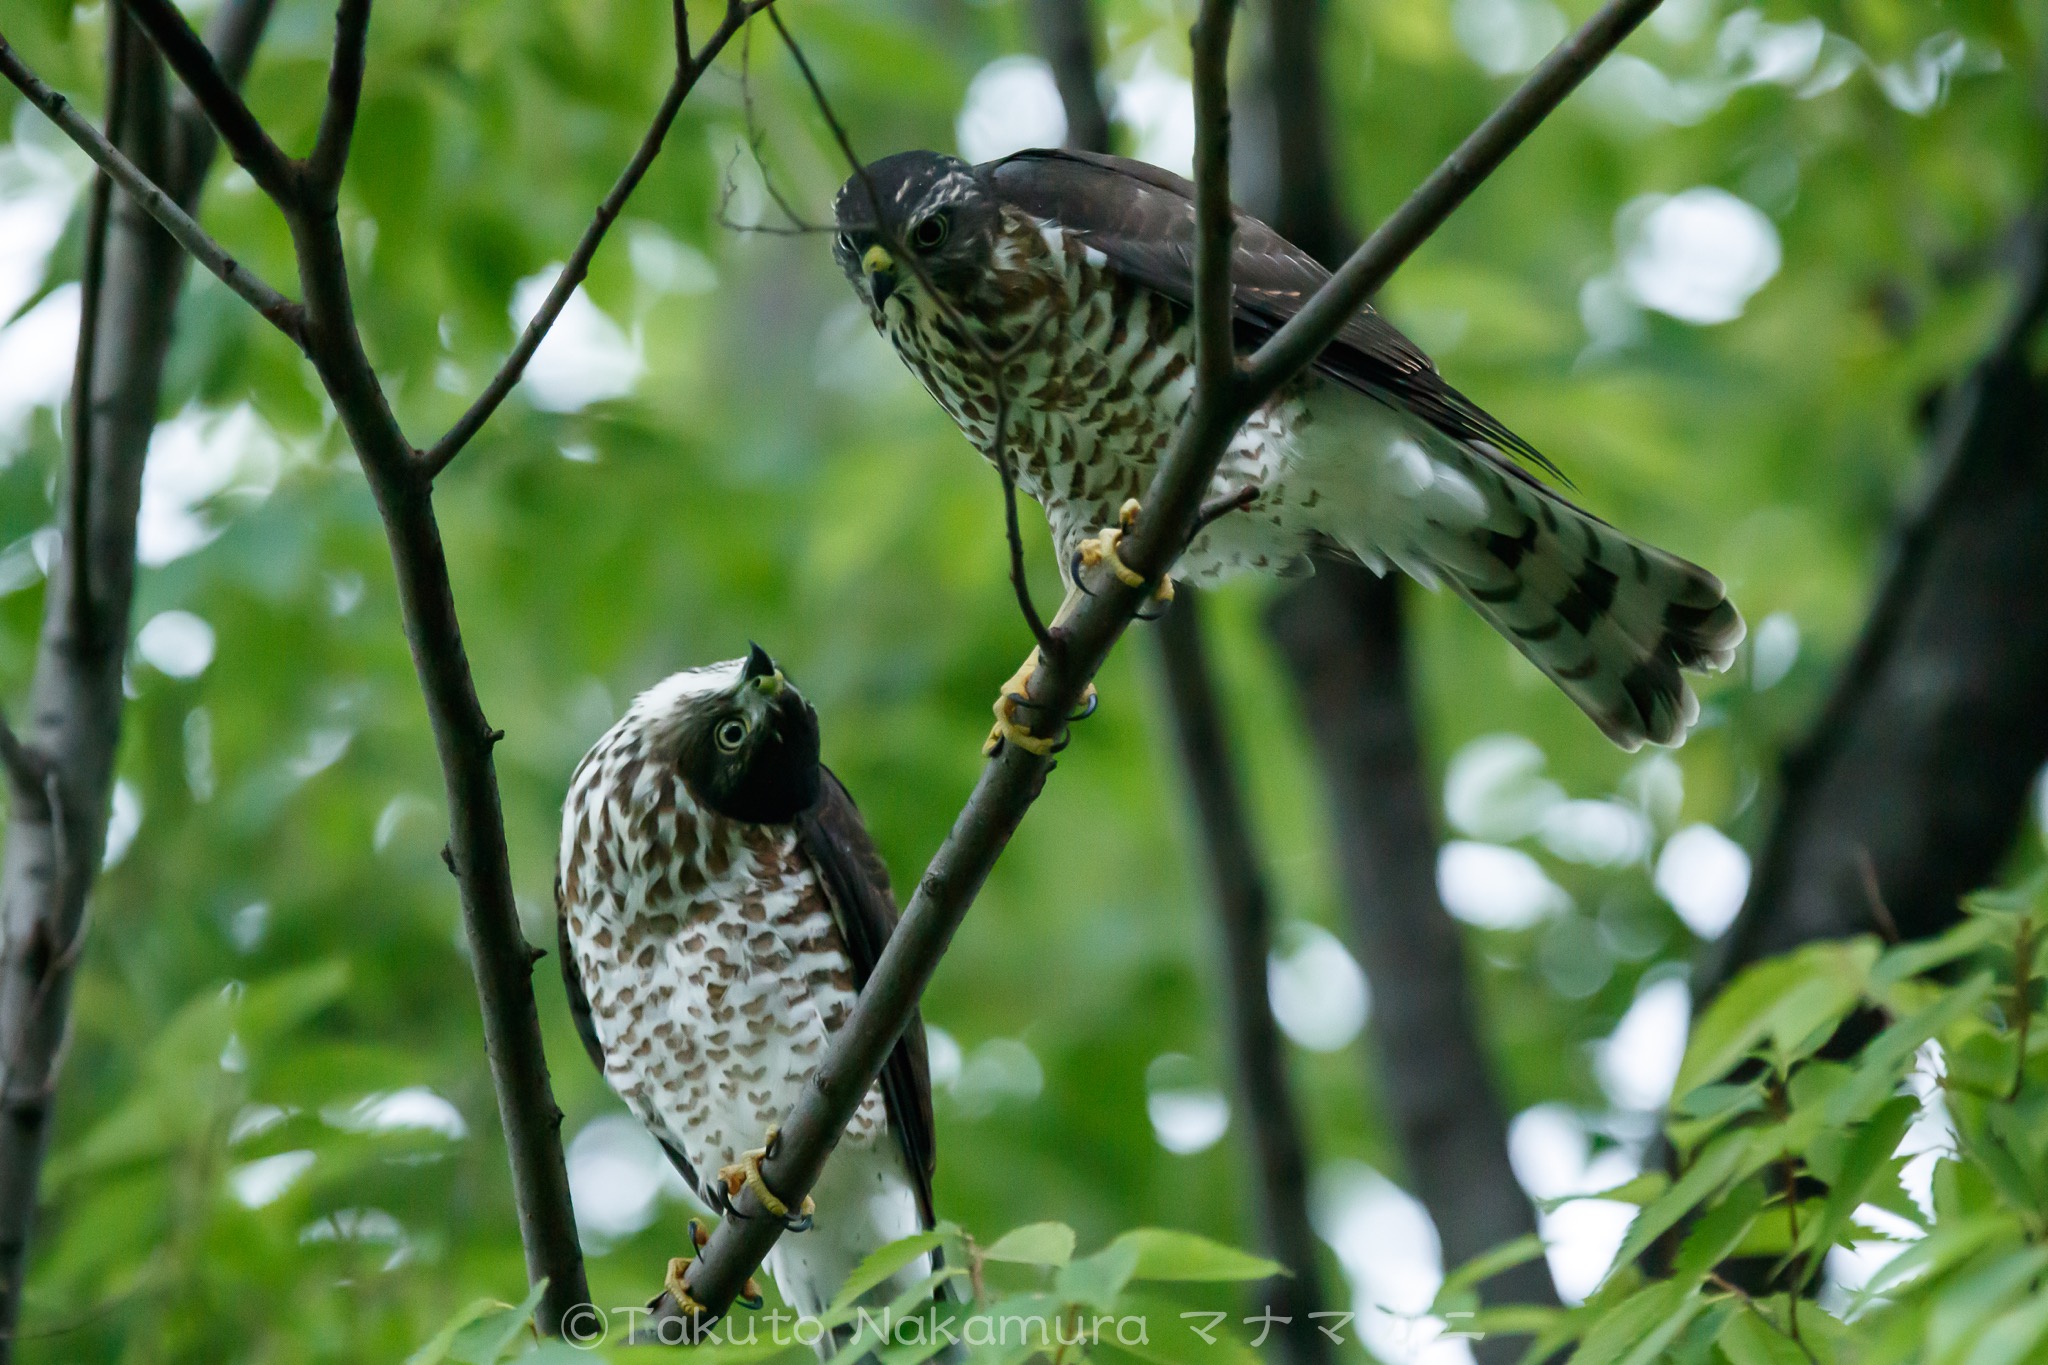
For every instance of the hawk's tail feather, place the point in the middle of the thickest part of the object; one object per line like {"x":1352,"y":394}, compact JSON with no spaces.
{"x":1612,"y":621}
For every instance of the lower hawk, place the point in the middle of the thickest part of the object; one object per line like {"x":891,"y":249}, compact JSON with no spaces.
{"x":720,"y":906}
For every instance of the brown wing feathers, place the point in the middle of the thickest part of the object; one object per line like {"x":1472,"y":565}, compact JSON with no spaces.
{"x":842,"y":852}
{"x":1143,"y":219}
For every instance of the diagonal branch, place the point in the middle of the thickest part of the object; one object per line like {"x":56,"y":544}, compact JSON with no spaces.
{"x":189,"y":56}
{"x":344,"y":96}
{"x":285,"y":315}
{"x":688,"y":70}
{"x":1013,"y":779}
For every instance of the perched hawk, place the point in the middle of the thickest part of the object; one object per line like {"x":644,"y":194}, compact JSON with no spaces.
{"x":720,"y":906}
{"x":1083,"y":265}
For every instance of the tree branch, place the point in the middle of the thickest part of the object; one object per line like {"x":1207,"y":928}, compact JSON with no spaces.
{"x":275,"y":307}
{"x":189,"y":56}
{"x":56,"y":827}
{"x":329,"y":158}
{"x":1223,"y":833}
{"x":688,"y":70}
{"x":1342,"y":639}
{"x":1012,"y":780}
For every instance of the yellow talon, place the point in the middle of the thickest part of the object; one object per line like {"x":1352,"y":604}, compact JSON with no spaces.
{"x":676,"y":1283}
{"x":1101,"y":548}
{"x":746,"y":1172}
{"x":1007,"y":729}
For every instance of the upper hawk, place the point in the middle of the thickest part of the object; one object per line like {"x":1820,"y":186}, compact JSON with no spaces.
{"x":1074,"y":271}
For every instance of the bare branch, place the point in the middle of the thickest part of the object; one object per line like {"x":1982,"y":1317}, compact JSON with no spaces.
{"x":577,"y":268}
{"x":1012,"y":780}
{"x":187,"y":53}
{"x":1290,"y":349}
{"x":344,"y":96}
{"x":280,"y":311}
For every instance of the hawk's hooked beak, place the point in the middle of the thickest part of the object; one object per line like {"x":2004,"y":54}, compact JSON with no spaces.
{"x":762,"y":672}
{"x":881,"y":272}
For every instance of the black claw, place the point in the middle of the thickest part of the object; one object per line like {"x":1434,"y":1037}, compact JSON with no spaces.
{"x":755,"y":1304}
{"x":1077,"y":573}
{"x":801,"y":1223}
{"x":1165,"y":605}
{"x":1088,"y":705}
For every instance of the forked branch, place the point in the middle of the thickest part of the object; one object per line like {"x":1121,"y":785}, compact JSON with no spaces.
{"x":279,"y":310}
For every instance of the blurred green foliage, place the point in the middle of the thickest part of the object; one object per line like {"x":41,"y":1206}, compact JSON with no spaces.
{"x":1784,"y":1153}
{"x":279,"y":944}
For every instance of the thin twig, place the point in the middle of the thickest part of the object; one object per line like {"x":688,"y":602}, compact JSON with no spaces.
{"x":1019,"y":582}
{"x":574,"y":272}
{"x":189,"y":56}
{"x":344,"y":97}
{"x":1873,"y":892}
{"x":997,"y":360}
{"x":285,"y":315}
{"x":1011,"y":781}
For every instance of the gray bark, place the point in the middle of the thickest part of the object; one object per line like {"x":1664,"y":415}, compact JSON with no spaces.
{"x":1340,"y":634}
{"x":1911,"y":785}
{"x":56,"y":827}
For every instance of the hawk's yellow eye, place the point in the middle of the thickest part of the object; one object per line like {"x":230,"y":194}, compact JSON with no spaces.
{"x":731,"y":734}
{"x":930,"y":233}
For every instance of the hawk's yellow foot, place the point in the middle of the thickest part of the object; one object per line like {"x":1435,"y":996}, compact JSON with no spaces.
{"x":746,"y":1173}
{"x":1101,"y":548}
{"x":1015,"y":693}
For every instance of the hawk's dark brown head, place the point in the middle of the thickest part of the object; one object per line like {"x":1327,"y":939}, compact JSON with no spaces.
{"x":933,"y":208}
{"x":741,"y":736}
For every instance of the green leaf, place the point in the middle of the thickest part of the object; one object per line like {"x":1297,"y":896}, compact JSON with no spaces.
{"x":1909,"y":960}
{"x":485,"y":1341}
{"x":1795,"y":1001}
{"x":2013,"y":1337}
{"x":1749,"y":1339}
{"x":1097,"y":1280}
{"x":1711,"y":1171}
{"x":1616,"y":1333}
{"x":466,"y":1335}
{"x":1485,"y":1266}
{"x":1034,"y":1244}
{"x":1167,"y":1254}
{"x":879,"y":1265}
{"x":1643,"y":1189}
{"x":1886,"y":1059}
{"x":1866,"y":1162}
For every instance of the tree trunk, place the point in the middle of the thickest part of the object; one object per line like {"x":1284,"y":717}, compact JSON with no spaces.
{"x":56,"y":827}
{"x":1910,"y":787}
{"x":1340,"y":634}
{"x":1237,"y":884}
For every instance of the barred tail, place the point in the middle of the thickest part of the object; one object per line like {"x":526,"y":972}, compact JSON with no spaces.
{"x":1610,"y":620}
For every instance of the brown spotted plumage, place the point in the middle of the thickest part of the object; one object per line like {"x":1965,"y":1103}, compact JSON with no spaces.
{"x":1078,"y":269}
{"x":720,"y":907}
